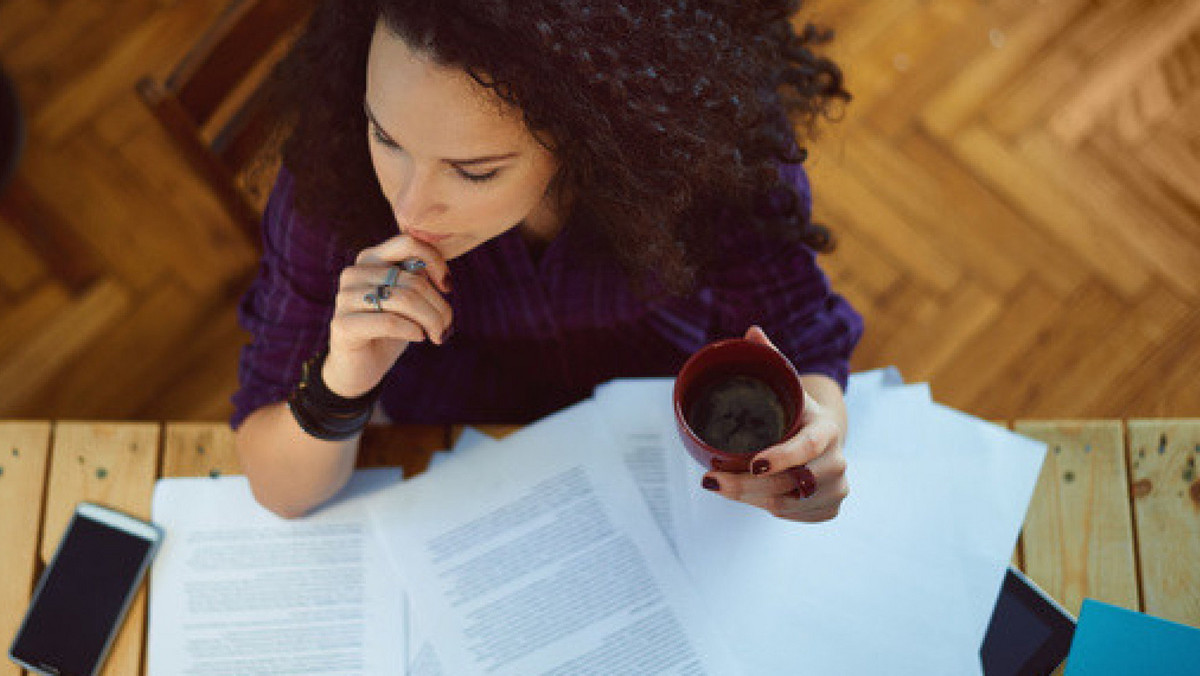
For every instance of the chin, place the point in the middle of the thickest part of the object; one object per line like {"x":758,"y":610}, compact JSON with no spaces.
{"x":452,"y":250}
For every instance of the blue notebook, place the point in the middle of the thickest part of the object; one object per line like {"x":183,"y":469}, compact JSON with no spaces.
{"x":1113,"y":640}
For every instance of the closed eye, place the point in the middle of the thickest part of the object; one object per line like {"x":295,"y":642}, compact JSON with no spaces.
{"x":478,"y":178}
{"x":383,"y":140}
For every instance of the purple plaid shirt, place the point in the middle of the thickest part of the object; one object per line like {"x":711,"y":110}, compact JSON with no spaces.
{"x":534,"y":335}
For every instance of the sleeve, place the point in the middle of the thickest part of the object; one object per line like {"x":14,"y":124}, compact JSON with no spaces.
{"x":779,"y":286}
{"x":289,"y":304}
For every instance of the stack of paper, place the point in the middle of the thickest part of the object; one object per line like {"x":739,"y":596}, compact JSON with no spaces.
{"x":585,"y":544}
{"x":903,"y":580}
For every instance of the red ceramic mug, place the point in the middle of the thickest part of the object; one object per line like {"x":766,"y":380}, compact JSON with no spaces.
{"x":718,"y":362}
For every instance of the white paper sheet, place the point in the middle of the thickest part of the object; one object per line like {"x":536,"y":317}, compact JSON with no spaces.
{"x":640,"y":436}
{"x":424,"y":660}
{"x":238,"y":590}
{"x":539,"y":557}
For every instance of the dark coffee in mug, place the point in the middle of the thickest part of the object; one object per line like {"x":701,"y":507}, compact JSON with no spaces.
{"x":738,"y":414}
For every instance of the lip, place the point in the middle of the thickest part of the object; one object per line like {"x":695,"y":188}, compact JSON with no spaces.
{"x":427,"y":237}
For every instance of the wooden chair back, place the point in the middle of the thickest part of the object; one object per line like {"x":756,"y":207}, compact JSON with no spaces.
{"x":211,"y":105}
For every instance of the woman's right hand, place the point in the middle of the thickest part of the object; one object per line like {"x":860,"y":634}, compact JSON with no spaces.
{"x":364,"y":343}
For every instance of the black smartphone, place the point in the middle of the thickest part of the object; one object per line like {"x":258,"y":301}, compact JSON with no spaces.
{"x":1029,"y":634}
{"x":84,"y":593}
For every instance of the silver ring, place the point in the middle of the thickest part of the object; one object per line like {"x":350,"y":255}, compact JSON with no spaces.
{"x":373,"y":299}
{"x":393,"y":274}
{"x":413,"y":264}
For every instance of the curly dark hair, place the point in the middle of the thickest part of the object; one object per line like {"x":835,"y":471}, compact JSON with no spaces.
{"x":665,"y":116}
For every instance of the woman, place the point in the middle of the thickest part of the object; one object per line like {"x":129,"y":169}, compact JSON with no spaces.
{"x":488,"y":208}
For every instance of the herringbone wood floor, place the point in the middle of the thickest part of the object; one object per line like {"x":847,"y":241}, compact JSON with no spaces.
{"x":1016,"y":187}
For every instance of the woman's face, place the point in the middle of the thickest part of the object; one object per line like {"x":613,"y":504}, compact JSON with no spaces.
{"x":456,"y":164}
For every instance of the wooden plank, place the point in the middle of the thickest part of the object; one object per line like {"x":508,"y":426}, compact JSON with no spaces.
{"x":992,"y":356}
{"x":124,"y":364}
{"x":22,"y":266}
{"x":934,"y":339}
{"x":1152,"y":99}
{"x":1107,"y":356}
{"x":493,"y":431}
{"x":410,"y":447}
{"x":1166,"y":25}
{"x":1112,"y":206}
{"x":1164,"y":383}
{"x":860,"y":25}
{"x":144,"y":185}
{"x":919,"y":55}
{"x":1044,"y":200}
{"x":31,"y":314}
{"x":856,"y":262}
{"x":1174,"y":160}
{"x":107,"y":217}
{"x":113,"y":464}
{"x":1159,"y":200}
{"x":158,"y":41}
{"x":852,"y":201}
{"x":1029,"y":100}
{"x":24,"y":448}
{"x":1163,"y":455}
{"x":19,"y":19}
{"x":973,"y":89}
{"x":32,"y":364}
{"x":924,"y":195}
{"x":74,"y":36}
{"x":1078,"y":535}
{"x":994,"y":224}
{"x":891,"y":314}
{"x":207,"y":449}
{"x":202,"y":374}
{"x":48,"y":233}
{"x":199,"y":449}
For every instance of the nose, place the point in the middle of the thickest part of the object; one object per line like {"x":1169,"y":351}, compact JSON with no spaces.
{"x":415,"y":202}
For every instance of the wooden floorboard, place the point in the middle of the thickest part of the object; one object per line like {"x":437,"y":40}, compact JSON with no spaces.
{"x":1016,"y":188}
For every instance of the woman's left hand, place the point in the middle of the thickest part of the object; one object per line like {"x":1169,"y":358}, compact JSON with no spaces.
{"x":802,"y":478}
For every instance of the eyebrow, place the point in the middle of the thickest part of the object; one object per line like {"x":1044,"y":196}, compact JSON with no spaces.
{"x":456,"y":163}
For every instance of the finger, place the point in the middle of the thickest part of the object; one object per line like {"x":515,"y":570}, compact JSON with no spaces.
{"x":828,"y":499}
{"x":368,"y":274}
{"x":400,"y":247}
{"x":821,"y":507}
{"x":797,"y":482}
{"x":804,"y":480}
{"x":809,"y":516}
{"x":807,"y":445}
{"x":407,"y":301}
{"x":755,"y":334}
{"x":783,"y":505}
{"x":745,"y":487}
{"x":363,"y":327}
{"x":828,"y":467}
{"x":368,"y":279}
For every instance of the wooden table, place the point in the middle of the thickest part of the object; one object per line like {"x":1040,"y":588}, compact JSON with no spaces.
{"x":1116,"y":514}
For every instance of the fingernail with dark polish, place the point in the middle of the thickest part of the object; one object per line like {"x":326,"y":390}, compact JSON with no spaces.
{"x":711,"y":484}
{"x":760,"y":466}
{"x":447,"y":283}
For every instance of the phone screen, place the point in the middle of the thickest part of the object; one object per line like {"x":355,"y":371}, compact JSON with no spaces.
{"x":81,"y":599}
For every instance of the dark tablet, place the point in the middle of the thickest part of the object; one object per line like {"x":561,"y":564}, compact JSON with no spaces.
{"x":1029,"y":635}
